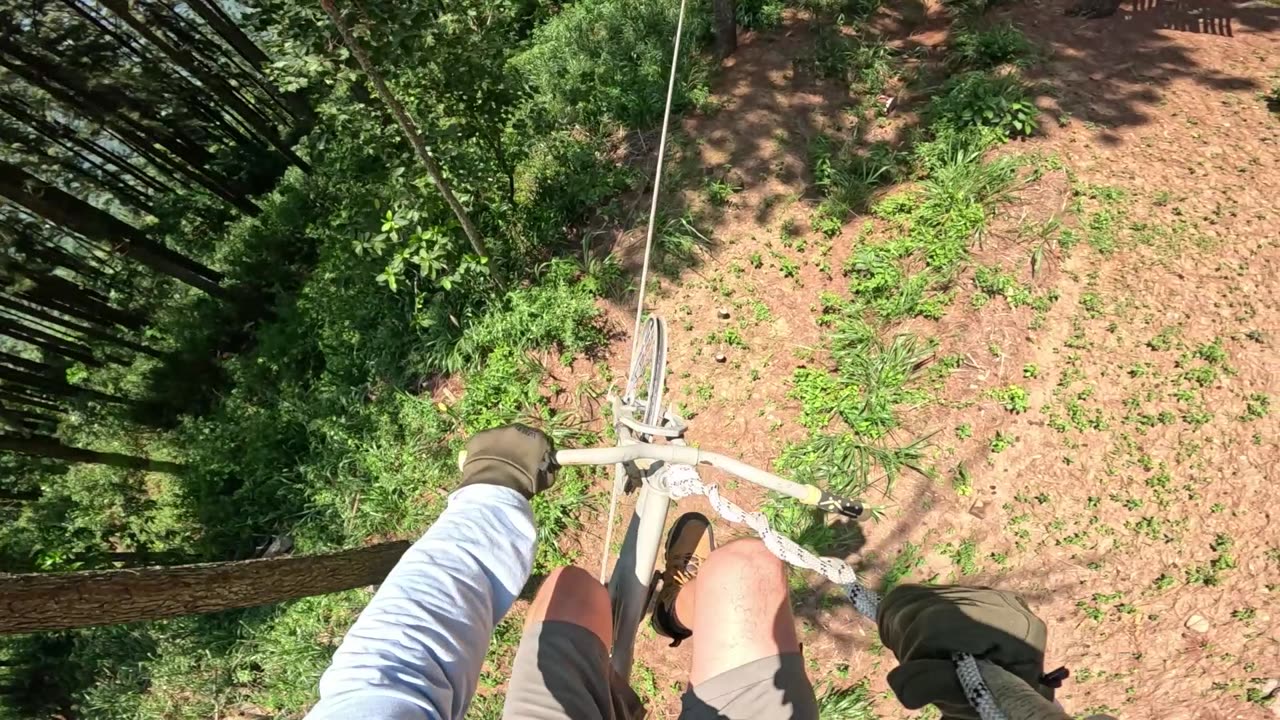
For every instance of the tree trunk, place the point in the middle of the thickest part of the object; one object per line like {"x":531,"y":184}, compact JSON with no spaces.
{"x":19,"y":496}
{"x":72,"y":213}
{"x":40,"y":602}
{"x":408,"y":127}
{"x":86,"y":303}
{"x":48,"y":342}
{"x":220,"y":89}
{"x":88,"y":331}
{"x":54,"y":386}
{"x":28,"y":424}
{"x":186,"y":162}
{"x":22,"y":363}
{"x":208,"y":11}
{"x":726,"y":27}
{"x":11,"y":395}
{"x":48,"y":447}
{"x":78,"y":167}
{"x":58,"y":132}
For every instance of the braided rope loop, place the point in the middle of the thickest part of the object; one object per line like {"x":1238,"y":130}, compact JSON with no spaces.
{"x":683,"y":481}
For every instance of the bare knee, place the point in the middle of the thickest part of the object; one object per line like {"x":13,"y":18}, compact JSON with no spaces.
{"x":746,"y":563}
{"x":573,"y":595}
{"x":742,"y":610}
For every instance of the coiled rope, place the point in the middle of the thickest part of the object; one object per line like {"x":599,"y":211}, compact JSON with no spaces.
{"x":683,"y":481}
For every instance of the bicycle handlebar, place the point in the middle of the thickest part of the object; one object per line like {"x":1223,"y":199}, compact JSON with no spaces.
{"x":686,"y":455}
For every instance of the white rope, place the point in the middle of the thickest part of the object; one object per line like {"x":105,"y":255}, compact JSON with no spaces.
{"x":657,"y":183}
{"x":683,"y":481}
{"x":615,"y":495}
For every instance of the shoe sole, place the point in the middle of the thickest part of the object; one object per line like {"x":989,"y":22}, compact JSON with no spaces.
{"x":684,"y":520}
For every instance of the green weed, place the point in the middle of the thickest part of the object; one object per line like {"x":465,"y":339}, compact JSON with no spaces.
{"x":851,"y":703}
{"x":978,"y":98}
{"x":965,"y":556}
{"x":864,"y":64}
{"x":1257,"y":406}
{"x":907,"y":559}
{"x":1001,"y":442}
{"x":985,"y":48}
{"x":1013,"y":398}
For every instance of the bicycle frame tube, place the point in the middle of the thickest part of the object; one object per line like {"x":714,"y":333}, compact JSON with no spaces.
{"x":631,"y":583}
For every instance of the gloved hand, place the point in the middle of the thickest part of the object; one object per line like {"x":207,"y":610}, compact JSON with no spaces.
{"x":923,"y":625}
{"x":513,"y":456}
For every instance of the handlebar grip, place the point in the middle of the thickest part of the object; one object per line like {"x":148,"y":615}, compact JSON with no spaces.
{"x":842,"y":506}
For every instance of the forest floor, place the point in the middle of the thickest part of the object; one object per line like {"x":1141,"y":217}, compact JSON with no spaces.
{"x":1129,"y":495}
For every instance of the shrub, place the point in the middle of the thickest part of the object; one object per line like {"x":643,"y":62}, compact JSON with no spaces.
{"x":987,"y":48}
{"x":759,"y":14}
{"x":982,"y":99}
{"x":564,"y":176}
{"x":865,"y":65}
{"x":848,"y":173}
{"x":604,"y":61}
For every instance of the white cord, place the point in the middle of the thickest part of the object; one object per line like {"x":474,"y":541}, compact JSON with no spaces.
{"x":657,"y":183}
{"x":683,"y":481}
{"x":644,"y":267}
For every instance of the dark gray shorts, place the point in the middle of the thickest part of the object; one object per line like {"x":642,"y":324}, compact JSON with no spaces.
{"x":561,"y":672}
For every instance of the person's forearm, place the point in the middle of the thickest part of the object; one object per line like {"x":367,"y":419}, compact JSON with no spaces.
{"x":416,"y":650}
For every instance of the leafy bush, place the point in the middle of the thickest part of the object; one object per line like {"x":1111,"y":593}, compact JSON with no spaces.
{"x":989,"y":47}
{"x":864,"y":64}
{"x":607,"y":61}
{"x":759,"y":14}
{"x":848,"y":174}
{"x":565,"y":174}
{"x":557,"y":312}
{"x":983,"y":99}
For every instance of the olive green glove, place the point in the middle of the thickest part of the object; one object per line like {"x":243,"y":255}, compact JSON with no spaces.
{"x":924,"y":625}
{"x":512,"y":456}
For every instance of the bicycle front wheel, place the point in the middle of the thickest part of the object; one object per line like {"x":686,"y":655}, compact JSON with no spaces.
{"x":646,"y":379}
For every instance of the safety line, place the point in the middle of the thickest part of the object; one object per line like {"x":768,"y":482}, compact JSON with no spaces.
{"x":644,"y":268}
{"x":657,"y":184}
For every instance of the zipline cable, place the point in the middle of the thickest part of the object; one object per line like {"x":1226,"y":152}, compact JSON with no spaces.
{"x":657,"y":183}
{"x":644,"y":267}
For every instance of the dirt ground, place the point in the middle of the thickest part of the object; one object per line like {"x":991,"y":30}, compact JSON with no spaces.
{"x":1135,"y":506}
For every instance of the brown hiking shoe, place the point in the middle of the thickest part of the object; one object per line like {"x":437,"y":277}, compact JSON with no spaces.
{"x":688,"y":545}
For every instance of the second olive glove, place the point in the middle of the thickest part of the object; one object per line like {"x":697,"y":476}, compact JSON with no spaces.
{"x":512,"y":456}
{"x":924,"y":625}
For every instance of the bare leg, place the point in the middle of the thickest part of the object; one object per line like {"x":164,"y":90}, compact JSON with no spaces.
{"x":573,"y":595}
{"x":561,"y":669}
{"x":738,"y":608}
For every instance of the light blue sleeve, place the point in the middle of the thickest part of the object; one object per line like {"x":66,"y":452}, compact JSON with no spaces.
{"x":416,"y":650}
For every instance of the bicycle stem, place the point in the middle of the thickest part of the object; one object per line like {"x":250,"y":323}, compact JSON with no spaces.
{"x":686,"y":455}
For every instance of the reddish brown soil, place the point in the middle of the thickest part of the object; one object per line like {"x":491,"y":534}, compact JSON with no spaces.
{"x":1160,"y":101}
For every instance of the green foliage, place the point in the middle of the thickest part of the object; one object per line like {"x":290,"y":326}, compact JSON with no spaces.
{"x":907,"y":559}
{"x":851,"y":703}
{"x":759,"y":14}
{"x":558,"y":312}
{"x":848,"y":174}
{"x":1257,"y":406}
{"x":978,"y":98}
{"x":1014,"y":398}
{"x":606,"y":61}
{"x":864,"y":64}
{"x":564,"y":174}
{"x":1001,"y":442}
{"x":968,"y":8}
{"x":985,"y":48}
